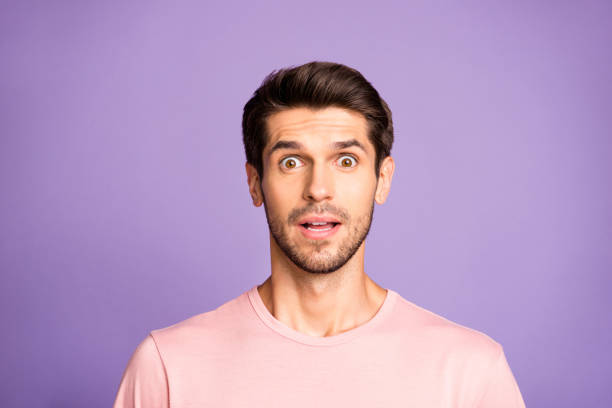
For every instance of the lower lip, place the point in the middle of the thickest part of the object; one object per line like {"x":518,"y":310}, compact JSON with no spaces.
{"x":318,"y":234}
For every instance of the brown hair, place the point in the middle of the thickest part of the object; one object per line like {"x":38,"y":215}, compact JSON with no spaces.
{"x":315,"y":85}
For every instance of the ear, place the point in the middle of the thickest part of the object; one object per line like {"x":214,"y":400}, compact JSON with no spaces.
{"x":387,"y":167}
{"x":254,"y":184}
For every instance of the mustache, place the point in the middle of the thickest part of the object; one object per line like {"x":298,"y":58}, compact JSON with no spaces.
{"x":326,"y":208}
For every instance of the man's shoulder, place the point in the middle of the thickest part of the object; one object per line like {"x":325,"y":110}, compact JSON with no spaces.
{"x":442,"y":334}
{"x":212,"y":325}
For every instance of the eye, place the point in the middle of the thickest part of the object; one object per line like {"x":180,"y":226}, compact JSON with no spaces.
{"x":290,"y":162}
{"x":347,"y":161}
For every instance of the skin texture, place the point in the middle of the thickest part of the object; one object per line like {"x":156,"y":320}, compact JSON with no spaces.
{"x":319,"y":287}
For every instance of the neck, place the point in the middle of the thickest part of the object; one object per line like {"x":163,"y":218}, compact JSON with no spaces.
{"x":320,"y":304}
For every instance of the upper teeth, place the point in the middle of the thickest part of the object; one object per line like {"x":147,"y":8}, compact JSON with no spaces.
{"x":318,"y":223}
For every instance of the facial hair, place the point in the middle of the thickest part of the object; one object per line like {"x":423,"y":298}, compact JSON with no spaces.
{"x":314,"y":257}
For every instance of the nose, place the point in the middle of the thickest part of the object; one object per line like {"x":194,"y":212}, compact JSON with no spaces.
{"x":319,"y":183}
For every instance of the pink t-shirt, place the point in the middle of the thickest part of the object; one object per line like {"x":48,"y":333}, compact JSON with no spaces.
{"x":240,"y":355}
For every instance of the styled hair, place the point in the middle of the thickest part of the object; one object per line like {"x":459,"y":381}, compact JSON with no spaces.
{"x":315,"y":85}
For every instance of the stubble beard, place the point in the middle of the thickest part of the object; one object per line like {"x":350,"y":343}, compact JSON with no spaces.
{"x":314,"y":257}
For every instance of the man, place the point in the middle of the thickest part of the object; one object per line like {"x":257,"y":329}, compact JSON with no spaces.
{"x":318,"y":332}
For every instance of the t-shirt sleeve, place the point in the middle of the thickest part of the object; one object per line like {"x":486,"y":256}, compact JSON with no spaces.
{"x":144,"y":383}
{"x":501,"y":391}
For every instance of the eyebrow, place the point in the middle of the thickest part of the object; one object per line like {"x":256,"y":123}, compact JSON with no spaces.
{"x":290,"y":144}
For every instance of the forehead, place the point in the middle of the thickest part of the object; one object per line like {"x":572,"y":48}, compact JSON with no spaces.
{"x":304,"y":124}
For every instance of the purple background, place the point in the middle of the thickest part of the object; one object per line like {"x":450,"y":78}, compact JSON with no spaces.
{"x":125,"y":206}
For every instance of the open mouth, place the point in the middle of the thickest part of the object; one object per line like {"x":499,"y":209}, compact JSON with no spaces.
{"x":319,"y":226}
{"x":319,"y":230}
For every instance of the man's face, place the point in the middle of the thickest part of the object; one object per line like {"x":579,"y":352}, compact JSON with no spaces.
{"x":319,"y":185}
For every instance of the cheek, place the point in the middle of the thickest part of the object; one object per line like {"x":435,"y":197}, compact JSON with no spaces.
{"x":278,"y":190}
{"x":280,"y":196}
{"x":358,"y":192}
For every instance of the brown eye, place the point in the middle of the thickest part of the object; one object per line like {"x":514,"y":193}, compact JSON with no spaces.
{"x":290,"y":163}
{"x":347,"y":162}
